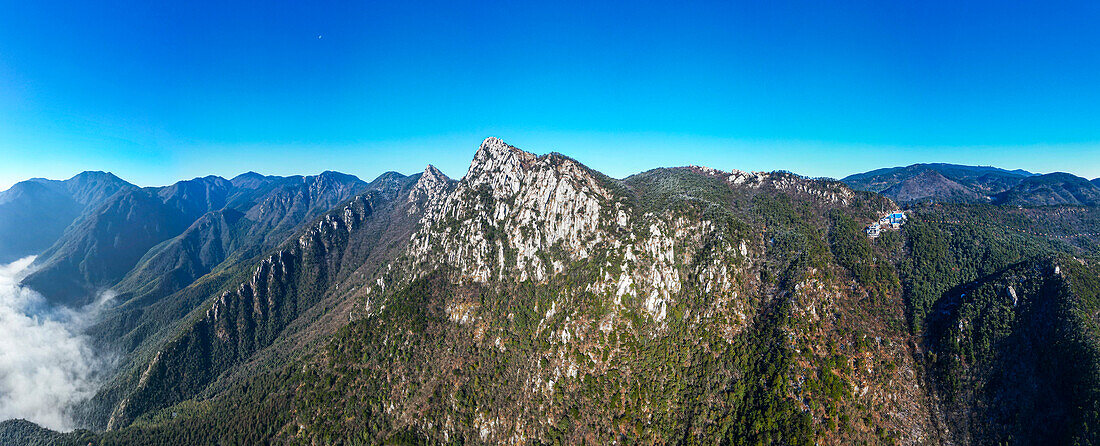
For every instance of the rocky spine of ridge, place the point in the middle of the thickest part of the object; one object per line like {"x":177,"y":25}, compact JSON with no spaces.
{"x":248,"y":318}
{"x":831,"y":191}
{"x":283,"y":286}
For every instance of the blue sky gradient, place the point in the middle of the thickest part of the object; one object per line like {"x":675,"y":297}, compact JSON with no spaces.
{"x":157,"y":91}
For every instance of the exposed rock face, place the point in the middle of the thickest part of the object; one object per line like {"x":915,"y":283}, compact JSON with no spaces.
{"x":429,"y":189}
{"x":238,"y":220}
{"x":831,"y":191}
{"x":518,"y":216}
{"x":294,"y":200}
{"x":534,"y":203}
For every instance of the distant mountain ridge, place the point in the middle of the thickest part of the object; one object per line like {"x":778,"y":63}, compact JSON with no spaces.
{"x":113,"y":237}
{"x":34,"y":213}
{"x":930,"y":183}
{"x":1051,"y":189}
{"x":977,"y":184}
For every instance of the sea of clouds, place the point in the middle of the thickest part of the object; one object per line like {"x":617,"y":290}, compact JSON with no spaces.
{"x":46,"y":365}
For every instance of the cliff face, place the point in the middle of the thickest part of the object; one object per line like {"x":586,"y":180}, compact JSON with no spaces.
{"x":514,"y":204}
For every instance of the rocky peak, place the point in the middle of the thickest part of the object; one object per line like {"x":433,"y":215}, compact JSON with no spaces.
{"x":493,"y":148}
{"x":830,"y":191}
{"x":429,"y":188}
{"x":432,"y":175}
{"x":520,"y":217}
{"x":510,"y":206}
{"x":499,"y":166}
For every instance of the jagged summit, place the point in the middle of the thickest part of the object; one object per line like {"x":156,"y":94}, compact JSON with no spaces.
{"x":432,"y":180}
{"x":505,"y":169}
{"x":432,"y":171}
{"x":493,"y":147}
{"x":528,"y":201}
{"x":495,"y":158}
{"x":734,"y":176}
{"x":429,"y":188}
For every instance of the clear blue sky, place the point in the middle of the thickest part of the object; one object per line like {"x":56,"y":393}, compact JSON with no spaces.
{"x":160,"y":91}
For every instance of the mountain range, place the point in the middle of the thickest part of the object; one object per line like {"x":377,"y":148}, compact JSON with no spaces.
{"x":536,"y":300}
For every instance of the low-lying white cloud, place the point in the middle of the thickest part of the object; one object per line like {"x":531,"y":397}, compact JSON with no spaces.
{"x":46,"y":365}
